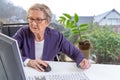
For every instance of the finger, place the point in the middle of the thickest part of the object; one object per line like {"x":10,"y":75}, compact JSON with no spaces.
{"x":34,"y":64}
{"x":40,"y":67}
{"x":86,"y":64}
{"x":82,"y":63}
{"x":43,"y":63}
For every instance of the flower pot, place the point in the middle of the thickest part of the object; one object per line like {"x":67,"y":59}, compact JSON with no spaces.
{"x":86,"y":53}
{"x":84,"y":47}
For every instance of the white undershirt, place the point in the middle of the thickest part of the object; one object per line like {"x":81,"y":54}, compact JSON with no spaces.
{"x":38,"y":51}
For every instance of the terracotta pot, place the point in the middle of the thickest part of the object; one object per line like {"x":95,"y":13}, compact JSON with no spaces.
{"x":84,"y":47}
{"x":86,"y":53}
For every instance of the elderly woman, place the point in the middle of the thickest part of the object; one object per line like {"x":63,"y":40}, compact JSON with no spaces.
{"x":39,"y":43}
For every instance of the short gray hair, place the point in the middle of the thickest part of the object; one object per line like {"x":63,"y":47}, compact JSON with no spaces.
{"x":43,"y":8}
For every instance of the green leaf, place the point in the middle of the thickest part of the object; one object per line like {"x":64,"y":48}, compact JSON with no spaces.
{"x":67,"y":23}
{"x":74,"y":30}
{"x":82,"y":25}
{"x":83,"y":29}
{"x":72,"y":24}
{"x":67,"y":15}
{"x":63,"y":18}
{"x":76,"y":18}
{"x":61,"y":22}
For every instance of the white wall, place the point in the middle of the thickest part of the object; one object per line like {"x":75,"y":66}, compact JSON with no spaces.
{"x":111,"y":19}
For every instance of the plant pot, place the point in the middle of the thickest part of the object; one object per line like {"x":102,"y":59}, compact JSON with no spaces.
{"x":86,"y":53}
{"x":84,"y":47}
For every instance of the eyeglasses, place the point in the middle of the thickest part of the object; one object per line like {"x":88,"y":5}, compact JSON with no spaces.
{"x":38,"y":20}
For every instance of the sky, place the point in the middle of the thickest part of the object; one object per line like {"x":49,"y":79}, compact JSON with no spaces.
{"x":81,"y":7}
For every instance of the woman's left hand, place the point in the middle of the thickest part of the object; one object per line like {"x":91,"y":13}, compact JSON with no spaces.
{"x":84,"y":64}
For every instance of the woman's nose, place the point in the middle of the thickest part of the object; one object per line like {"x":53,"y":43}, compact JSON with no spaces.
{"x":34,"y":23}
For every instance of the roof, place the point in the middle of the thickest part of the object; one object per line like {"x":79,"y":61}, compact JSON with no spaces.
{"x":85,"y":19}
{"x":100,"y":17}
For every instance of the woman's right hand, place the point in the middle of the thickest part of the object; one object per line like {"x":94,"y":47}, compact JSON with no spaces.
{"x":36,"y":64}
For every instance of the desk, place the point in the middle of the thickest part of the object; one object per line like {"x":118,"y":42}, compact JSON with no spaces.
{"x":95,"y":72}
{"x":103,"y":72}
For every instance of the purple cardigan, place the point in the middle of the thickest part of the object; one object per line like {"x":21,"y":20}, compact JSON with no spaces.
{"x":54,"y":42}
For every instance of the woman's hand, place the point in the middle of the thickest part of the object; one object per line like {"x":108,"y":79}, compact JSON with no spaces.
{"x":84,"y":64}
{"x":36,"y":64}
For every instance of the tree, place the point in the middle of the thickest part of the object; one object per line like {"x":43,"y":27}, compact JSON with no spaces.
{"x":105,"y":44}
{"x":8,"y":10}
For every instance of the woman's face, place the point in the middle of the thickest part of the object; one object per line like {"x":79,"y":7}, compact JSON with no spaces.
{"x":37,"y":21}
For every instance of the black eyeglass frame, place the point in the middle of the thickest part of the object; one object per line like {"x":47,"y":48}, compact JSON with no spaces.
{"x":38,"y":20}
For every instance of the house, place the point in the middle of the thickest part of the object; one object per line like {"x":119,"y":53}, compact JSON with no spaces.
{"x":110,"y":18}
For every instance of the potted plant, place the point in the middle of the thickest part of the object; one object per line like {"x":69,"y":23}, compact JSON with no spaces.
{"x":79,"y":30}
